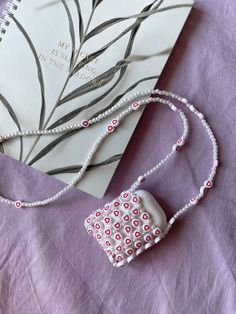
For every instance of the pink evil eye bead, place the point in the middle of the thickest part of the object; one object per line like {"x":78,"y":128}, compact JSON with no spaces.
{"x":119,"y":258}
{"x":135,"y":211}
{"x":194,"y":200}
{"x":115,"y":122}
{"x":90,"y":231}
{"x":107,"y":220}
{"x":129,"y":252}
{"x":116,"y":203}
{"x":125,"y":195}
{"x":110,"y":128}
{"x":2,"y":139}
{"x":119,"y":248}
{"x":117,"y":225}
{"x":135,"y":199}
{"x":208,"y":184}
{"x":126,"y":205}
{"x":156,"y":231}
{"x":148,"y":238}
{"x":128,"y":241}
{"x":88,"y":220}
{"x":85,"y":123}
{"x":136,"y":105}
{"x":180,"y":142}
{"x":18,"y":204}
{"x":146,"y":227}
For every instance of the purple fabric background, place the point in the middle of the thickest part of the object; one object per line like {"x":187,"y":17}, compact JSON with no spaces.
{"x":48,"y":264}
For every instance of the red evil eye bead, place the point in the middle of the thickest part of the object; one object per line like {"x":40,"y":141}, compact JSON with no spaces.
{"x":18,"y":204}
{"x":85,"y":123}
{"x":2,"y":139}
{"x":110,"y":128}
{"x":115,"y":122}
{"x":136,"y":105}
{"x":208,"y":184}
{"x":193,"y":200}
{"x":90,"y":231}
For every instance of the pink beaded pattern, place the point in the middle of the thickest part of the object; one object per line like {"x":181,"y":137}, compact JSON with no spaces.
{"x":123,"y":228}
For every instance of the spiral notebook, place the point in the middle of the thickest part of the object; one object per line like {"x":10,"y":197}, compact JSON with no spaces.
{"x":39,"y":40}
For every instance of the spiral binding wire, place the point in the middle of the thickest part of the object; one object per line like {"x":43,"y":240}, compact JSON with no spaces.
{"x":11,"y":7}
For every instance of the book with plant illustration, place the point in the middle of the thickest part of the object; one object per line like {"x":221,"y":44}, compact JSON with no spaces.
{"x":63,"y":61}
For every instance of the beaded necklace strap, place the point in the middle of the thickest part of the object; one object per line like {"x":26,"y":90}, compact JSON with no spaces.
{"x":114,"y":123}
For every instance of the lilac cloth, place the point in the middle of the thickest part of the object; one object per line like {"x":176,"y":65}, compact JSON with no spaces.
{"x":48,"y":263}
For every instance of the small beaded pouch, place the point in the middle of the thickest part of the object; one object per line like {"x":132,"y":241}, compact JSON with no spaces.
{"x":129,"y":225}
{"x":134,"y":221}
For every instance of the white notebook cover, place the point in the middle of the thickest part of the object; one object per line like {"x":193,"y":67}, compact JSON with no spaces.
{"x":45,"y":25}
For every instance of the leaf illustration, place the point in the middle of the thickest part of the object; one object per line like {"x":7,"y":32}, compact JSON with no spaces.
{"x":134,"y":30}
{"x":14,"y":118}
{"x":77,"y":168}
{"x":108,"y":75}
{"x":40,"y":73}
{"x":93,"y":84}
{"x":52,"y":3}
{"x":105,"y":25}
{"x":120,"y":96}
{"x":96,"y":54}
{"x":75,"y":112}
{"x":81,"y":23}
{"x":114,"y":69}
{"x":72,"y":32}
{"x":48,"y":148}
{"x":96,"y":3}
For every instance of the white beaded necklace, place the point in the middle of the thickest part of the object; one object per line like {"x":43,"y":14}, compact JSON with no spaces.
{"x":114,"y":123}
